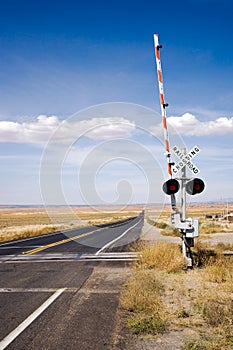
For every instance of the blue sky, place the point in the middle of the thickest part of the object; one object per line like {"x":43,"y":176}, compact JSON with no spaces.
{"x":57,"y":58}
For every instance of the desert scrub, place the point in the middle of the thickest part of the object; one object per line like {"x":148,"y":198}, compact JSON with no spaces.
{"x":216,"y":268}
{"x":141,"y":289}
{"x":207,"y":343}
{"x":193,"y":309}
{"x":163,"y":257}
{"x":158,"y":300}
{"x":158,"y":224}
{"x":211,"y":227}
{"x":166,"y":229}
{"x":150,"y":221}
{"x":26,"y":231}
{"x":221,"y":247}
{"x":142,"y":298}
{"x":217,"y":310}
{"x":143,"y":293}
{"x":215,"y":303}
{"x":161,"y":225}
{"x":144,"y":322}
{"x":204,"y":254}
{"x":219,"y":272}
{"x":170,"y":231}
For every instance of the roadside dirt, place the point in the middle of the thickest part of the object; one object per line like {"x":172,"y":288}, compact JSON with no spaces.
{"x":176,"y":298}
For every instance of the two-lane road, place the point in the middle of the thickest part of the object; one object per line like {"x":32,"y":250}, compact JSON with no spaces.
{"x":86,"y":240}
{"x":68,"y":303}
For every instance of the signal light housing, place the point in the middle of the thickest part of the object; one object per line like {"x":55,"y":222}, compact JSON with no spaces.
{"x":171,"y":186}
{"x":195,"y":186}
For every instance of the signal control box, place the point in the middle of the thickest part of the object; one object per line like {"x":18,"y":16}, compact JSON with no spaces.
{"x":190,"y":226}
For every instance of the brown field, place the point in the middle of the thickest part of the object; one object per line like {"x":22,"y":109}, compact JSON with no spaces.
{"x":161,"y":216}
{"x":26,"y":222}
{"x":194,"y":209}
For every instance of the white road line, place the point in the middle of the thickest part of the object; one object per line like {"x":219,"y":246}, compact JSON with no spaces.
{"x":17,"y":331}
{"x":116,"y":239}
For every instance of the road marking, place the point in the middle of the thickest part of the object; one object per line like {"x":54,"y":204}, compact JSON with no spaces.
{"x":41,"y":257}
{"x":46,"y":258}
{"x":116,"y":239}
{"x":17,"y":331}
{"x":63,"y":241}
{"x":110,"y":257}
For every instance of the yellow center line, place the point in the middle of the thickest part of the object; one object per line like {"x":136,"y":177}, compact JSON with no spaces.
{"x":63,"y":241}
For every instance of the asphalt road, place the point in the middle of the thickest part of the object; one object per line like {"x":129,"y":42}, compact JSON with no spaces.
{"x":63,"y":304}
{"x":92,"y":239}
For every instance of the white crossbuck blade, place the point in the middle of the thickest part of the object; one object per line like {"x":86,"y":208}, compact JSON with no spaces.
{"x":185,"y":159}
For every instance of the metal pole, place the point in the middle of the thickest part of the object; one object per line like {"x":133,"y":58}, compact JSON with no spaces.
{"x":185,"y":245}
{"x":183,"y":191}
{"x":183,"y":206}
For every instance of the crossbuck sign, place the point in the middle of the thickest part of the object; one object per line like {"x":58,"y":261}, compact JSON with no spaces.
{"x":185,"y":159}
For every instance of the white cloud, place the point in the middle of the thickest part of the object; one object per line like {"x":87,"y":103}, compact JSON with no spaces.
{"x":107,"y":128}
{"x":189,"y":125}
{"x":39,"y":131}
{"x":95,"y":129}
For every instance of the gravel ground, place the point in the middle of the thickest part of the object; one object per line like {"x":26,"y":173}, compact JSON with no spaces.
{"x":153,"y":235}
{"x":215,"y":238}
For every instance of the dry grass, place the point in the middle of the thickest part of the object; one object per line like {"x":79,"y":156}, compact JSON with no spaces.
{"x":27,"y":231}
{"x":166,"y":229}
{"x":208,"y":227}
{"x":142,"y":296}
{"x":170,"y":231}
{"x":142,"y":299}
{"x":199,"y":300}
{"x":162,"y":257}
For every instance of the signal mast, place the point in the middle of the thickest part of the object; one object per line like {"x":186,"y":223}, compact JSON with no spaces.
{"x":188,"y":227}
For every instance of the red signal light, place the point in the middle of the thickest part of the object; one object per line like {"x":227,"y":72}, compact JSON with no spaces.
{"x":171,"y":186}
{"x":195,"y":186}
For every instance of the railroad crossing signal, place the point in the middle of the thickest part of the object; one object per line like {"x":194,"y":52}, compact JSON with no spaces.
{"x":171,"y":186}
{"x":185,"y":160}
{"x":188,"y":227}
{"x":195,"y":186}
